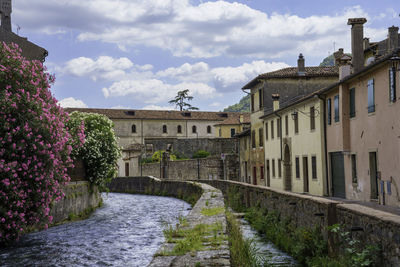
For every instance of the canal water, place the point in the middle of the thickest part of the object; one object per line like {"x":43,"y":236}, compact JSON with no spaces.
{"x":267,"y":252}
{"x":125,"y":231}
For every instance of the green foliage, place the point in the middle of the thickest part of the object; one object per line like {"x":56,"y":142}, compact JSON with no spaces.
{"x":158,"y":155}
{"x":180,"y":98}
{"x":212,"y":211}
{"x":100,"y":151}
{"x":146,"y":160}
{"x":235,"y":199}
{"x":179,"y":155}
{"x":329,"y":61}
{"x":201,"y":154}
{"x":242,"y":106}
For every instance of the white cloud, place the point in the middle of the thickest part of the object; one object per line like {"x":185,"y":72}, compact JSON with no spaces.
{"x":209,"y":29}
{"x":71,"y":102}
{"x":156,"y":107}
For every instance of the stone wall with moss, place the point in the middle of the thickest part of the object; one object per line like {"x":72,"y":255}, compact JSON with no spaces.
{"x":80,"y":198}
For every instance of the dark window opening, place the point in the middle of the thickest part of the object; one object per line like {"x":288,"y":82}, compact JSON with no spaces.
{"x":233,"y":131}
{"x":336,"y":106}
{"x":273,"y":168}
{"x":354,"y":168}
{"x":287,"y":125}
{"x":329,"y":113}
{"x":260,"y":137}
{"x":352,"y":102}
{"x":297,"y":167}
{"x":296,"y":123}
{"x":272,"y":129}
{"x":133,"y":128}
{"x":179,"y":129}
{"x":266,"y":131}
{"x":253,"y":139}
{"x":252,"y":102}
{"x":194,"y":129}
{"x":127,"y":169}
{"x":312,"y":118}
{"x":260,"y":98}
{"x":164,"y":129}
{"x":314,"y":167}
{"x":279,"y":168}
{"x":208,"y":129}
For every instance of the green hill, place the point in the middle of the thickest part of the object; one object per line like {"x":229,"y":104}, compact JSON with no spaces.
{"x":242,"y":106}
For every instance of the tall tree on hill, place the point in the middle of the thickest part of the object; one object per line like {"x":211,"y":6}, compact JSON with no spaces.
{"x":180,"y":100}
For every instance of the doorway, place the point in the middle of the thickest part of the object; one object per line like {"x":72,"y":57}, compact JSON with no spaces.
{"x":337,"y":172}
{"x":305,"y":175}
{"x":373,"y":173}
{"x":288,"y":170}
{"x":255,"y":175}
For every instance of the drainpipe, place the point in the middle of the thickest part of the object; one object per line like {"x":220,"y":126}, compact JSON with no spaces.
{"x":325,"y":143}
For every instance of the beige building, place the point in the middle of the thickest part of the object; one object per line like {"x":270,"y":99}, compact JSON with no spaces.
{"x":134,"y":127}
{"x":244,"y":155}
{"x":290,"y":84}
{"x":294,"y":149}
{"x":233,"y":125}
{"x":363,"y":129}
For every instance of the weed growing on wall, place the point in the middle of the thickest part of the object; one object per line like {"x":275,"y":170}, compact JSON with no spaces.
{"x":100,"y":151}
{"x":34,"y":144}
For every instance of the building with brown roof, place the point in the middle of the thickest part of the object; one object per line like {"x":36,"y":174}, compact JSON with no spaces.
{"x":143,"y":126}
{"x":232,"y":125}
{"x":289,"y":84}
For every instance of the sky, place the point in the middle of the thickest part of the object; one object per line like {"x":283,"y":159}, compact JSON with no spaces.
{"x":137,"y":54}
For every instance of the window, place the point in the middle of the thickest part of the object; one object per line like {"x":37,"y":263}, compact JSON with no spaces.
{"x":232,"y":132}
{"x":266,"y":131}
{"x":126,"y":169}
{"x":272,"y":129}
{"x":262,"y":172}
{"x":354,"y":168}
{"x":219,"y":132}
{"x":329,"y":113}
{"x":297,"y":167}
{"x":278,"y":128}
{"x":253,"y":139}
{"x":279,"y":168}
{"x":252,"y":102}
{"x":164,"y":128}
{"x":260,"y":98}
{"x":133,"y":128}
{"x":194,"y":129}
{"x":273,"y":168}
{"x":208,"y":129}
{"x":260,"y":137}
{"x":312,"y":118}
{"x":179,"y":129}
{"x":314,"y":167}
{"x":296,"y":123}
{"x":336,"y":104}
{"x":268,"y":173}
{"x":371,"y":96}
{"x":392,"y":84}
{"x":352,"y":93}
{"x":287,"y":125}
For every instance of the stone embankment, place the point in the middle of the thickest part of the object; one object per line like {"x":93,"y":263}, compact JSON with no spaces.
{"x":80,"y":198}
{"x":205,"y":222}
{"x":370,"y":226}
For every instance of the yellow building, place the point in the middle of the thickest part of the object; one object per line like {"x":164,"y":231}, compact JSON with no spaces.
{"x":295,"y":146}
{"x":232,"y":125}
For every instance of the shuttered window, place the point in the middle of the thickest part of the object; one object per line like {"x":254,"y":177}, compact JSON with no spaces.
{"x":352,"y":102}
{"x":371,"y":96}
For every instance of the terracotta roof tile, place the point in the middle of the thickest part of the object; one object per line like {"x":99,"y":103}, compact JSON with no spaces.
{"x":235,"y":119}
{"x":309,"y":72}
{"x":159,"y":114}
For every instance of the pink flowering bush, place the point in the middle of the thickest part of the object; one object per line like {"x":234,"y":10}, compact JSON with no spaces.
{"x":35,"y":147}
{"x":100,"y":151}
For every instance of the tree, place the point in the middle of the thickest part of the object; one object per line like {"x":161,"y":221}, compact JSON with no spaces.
{"x":35,"y":146}
{"x":180,"y":98}
{"x":100,"y":151}
{"x":242,"y":106}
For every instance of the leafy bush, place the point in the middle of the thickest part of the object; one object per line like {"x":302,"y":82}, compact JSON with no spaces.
{"x":146,"y":160}
{"x":34,"y":144}
{"x":179,"y":155}
{"x":158,"y":155}
{"x":201,"y":154}
{"x":100,"y":151}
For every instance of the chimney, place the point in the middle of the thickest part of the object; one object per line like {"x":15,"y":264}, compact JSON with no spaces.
{"x":5,"y":11}
{"x":343,"y":62}
{"x":337,"y":55}
{"x":275,"y":101}
{"x":393,"y":38}
{"x":301,"y":70}
{"x":241,"y":119}
{"x":357,"y":46}
{"x":366,"y":43}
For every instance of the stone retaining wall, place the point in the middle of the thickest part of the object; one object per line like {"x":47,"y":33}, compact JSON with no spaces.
{"x":207,"y":197}
{"x":79,"y":198}
{"x":369,"y":225}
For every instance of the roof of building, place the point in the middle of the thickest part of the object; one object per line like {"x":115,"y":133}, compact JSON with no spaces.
{"x":235,"y":120}
{"x":30,"y":50}
{"x":293,"y":72}
{"x":243,"y":133}
{"x":160,"y":114}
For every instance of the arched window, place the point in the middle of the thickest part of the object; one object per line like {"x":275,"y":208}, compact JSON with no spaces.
{"x":194,"y":129}
{"x":179,"y":129}
{"x":164,"y":128}
{"x":208,"y":129}
{"x":133,"y":128}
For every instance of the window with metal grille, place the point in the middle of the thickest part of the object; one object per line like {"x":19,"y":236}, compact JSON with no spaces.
{"x":352,"y":93}
{"x":371,"y":96}
{"x":314,"y":167}
{"x":312,"y":118}
{"x":336,"y":106}
{"x":392,"y":84}
{"x":329,"y":108}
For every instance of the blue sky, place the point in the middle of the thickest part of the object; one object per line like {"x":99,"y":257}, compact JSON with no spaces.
{"x":137,"y":54}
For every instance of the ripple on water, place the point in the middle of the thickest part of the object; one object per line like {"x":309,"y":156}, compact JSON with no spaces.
{"x":126,"y":231}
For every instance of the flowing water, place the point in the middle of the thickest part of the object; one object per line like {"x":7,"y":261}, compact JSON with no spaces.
{"x":126,"y":231}
{"x":268,"y":253}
